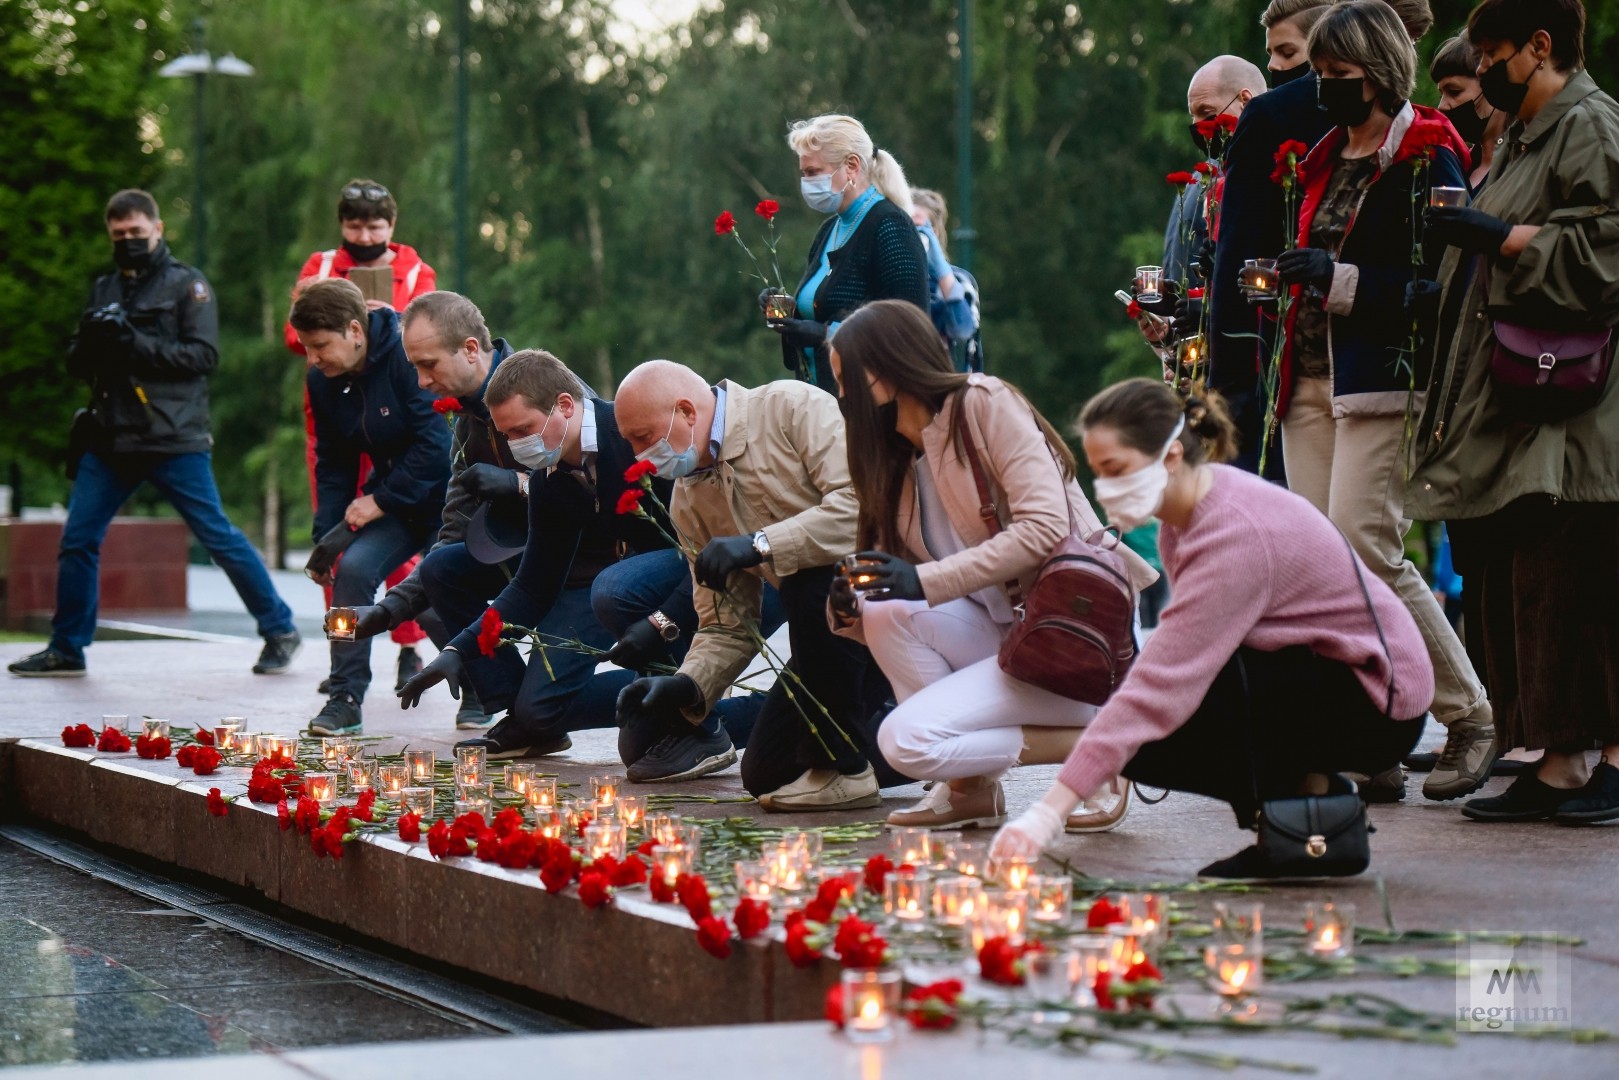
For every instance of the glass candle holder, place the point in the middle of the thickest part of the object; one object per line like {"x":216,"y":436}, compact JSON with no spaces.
{"x":518,"y":776}
{"x":225,"y":734}
{"x":870,"y":1004}
{"x":417,"y":800}
{"x":115,"y":722}
{"x":1015,"y":873}
{"x":1149,"y":284}
{"x":1124,"y":948}
{"x":1330,"y":929}
{"x":541,"y":793}
{"x":321,"y":786}
{"x":1234,"y":970}
{"x":788,"y":867}
{"x":857,"y":570}
{"x":278,"y":747}
{"x":604,"y":790}
{"x":604,"y":838}
{"x":1005,"y":913}
{"x":753,"y":880}
{"x":361,"y":773}
{"x":807,"y":841}
{"x":1258,"y":276}
{"x":1238,"y":922}
{"x":423,"y":767}
{"x":472,"y":804}
{"x":907,"y":897}
{"x":941,"y":852}
{"x":1447,"y":196}
{"x":779,"y":305}
{"x":473,"y":757}
{"x":957,"y":899}
{"x":467,"y":776}
{"x":484,"y":789}
{"x":1190,"y":353}
{"x":691,"y":835}
{"x":1092,"y":954}
{"x":1147,"y":917}
{"x":392,"y":779}
{"x":1049,"y":976}
{"x":632,"y":811}
{"x":663,"y":828}
{"x":971,"y":857}
{"x":577,"y":815}
{"x":670,"y":861}
{"x":340,"y":623}
{"x":153,"y":728}
{"x":549,"y":822}
{"x":910,"y":847}
{"x":334,"y":750}
{"x":1051,"y":899}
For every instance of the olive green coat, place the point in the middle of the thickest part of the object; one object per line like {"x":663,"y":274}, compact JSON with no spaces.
{"x":1560,"y":172}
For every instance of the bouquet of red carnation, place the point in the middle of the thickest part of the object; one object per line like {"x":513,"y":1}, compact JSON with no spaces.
{"x":779,"y":305}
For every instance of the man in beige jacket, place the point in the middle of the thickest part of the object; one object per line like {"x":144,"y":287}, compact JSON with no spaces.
{"x":762,"y":494}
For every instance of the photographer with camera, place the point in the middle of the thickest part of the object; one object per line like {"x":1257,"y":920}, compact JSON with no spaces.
{"x":147,"y":342}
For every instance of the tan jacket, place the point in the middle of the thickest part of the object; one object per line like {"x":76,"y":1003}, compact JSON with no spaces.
{"x":1035,"y":505}
{"x":782,"y":468}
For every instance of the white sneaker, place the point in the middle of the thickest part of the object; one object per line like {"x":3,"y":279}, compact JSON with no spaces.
{"x":944,"y":808}
{"x":825,"y":789}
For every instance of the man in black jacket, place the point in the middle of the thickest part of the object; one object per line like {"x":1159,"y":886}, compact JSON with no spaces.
{"x":147,"y":342}
{"x":577,"y":538}
{"x":366,"y":400}
{"x":446,"y":339}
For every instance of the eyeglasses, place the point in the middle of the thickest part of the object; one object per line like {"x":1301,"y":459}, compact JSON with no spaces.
{"x":374,"y":192}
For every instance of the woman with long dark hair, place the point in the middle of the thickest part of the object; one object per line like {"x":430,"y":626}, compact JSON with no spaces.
{"x":939,"y":604}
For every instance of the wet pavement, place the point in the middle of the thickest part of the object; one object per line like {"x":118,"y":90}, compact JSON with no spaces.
{"x":92,"y":973}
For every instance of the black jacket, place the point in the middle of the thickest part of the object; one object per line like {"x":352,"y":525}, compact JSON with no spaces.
{"x":153,"y":395}
{"x":1252,"y":225}
{"x":382,"y":412}
{"x":570,"y":522}
{"x":882,"y":260}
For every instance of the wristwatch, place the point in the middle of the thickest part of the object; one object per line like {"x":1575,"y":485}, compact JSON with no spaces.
{"x":761,"y":544}
{"x":522,"y":485}
{"x":665,"y":626}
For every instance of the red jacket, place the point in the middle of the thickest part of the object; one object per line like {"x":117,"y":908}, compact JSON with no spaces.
{"x":412,"y":277}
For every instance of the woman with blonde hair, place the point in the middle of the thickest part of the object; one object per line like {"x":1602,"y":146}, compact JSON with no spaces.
{"x":867,"y":249}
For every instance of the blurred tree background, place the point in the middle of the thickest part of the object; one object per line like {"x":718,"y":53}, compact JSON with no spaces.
{"x":600,"y":154}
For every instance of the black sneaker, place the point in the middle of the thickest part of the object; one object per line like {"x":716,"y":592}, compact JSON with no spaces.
{"x":511,"y":748}
{"x":48,"y":664}
{"x":410,"y":666}
{"x":1385,"y":787}
{"x":1596,"y":802}
{"x":684,"y":757}
{"x":1528,"y":799}
{"x":341,"y":716}
{"x":277,"y":654}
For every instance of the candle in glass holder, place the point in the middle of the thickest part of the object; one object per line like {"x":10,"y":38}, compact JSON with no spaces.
{"x":577,"y":814}
{"x":153,"y":728}
{"x":664,"y":828}
{"x":1049,"y":975}
{"x":541,"y":793}
{"x":1447,"y":196}
{"x":278,"y":747}
{"x":1234,"y":969}
{"x":857,"y":570}
{"x":1189,"y":351}
{"x":1258,"y":276}
{"x":1149,"y":284}
{"x":1050,"y":898}
{"x":788,"y":867}
{"x":807,"y":841}
{"x":1330,"y":929}
{"x":1091,"y":956}
{"x":1124,"y":948}
{"x":334,"y":750}
{"x":549,"y":822}
{"x":604,"y":839}
{"x":910,"y":847}
{"x":632,"y":810}
{"x":1147,"y":918}
{"x":971,"y":857}
{"x":472,"y":757}
{"x":361,"y":773}
{"x":422,"y":767}
{"x":467,"y":776}
{"x":417,"y":800}
{"x":321,"y":786}
{"x":1015,"y":873}
{"x":604,"y":790}
{"x":870,"y":1003}
{"x":392,"y":779}
{"x":518,"y":776}
{"x":671,"y":860}
{"x":907,"y":895}
{"x":753,"y":880}
{"x":472,"y":804}
{"x":115,"y":722}
{"x":225,"y":734}
{"x":1005,"y":913}
{"x":956,"y":899}
{"x":1238,"y":922}
{"x":340,"y":623}
{"x":690,"y":834}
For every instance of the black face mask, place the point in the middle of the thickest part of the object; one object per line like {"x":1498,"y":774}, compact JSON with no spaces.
{"x":1500,"y":91}
{"x":1211,"y":146}
{"x":364,"y":253}
{"x":1341,"y":100}
{"x":1287,"y":75}
{"x":134,"y":254}
{"x":1467,"y":122}
{"x":888,"y":414}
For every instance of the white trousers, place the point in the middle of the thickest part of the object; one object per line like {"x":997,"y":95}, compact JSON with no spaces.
{"x":959,"y":714}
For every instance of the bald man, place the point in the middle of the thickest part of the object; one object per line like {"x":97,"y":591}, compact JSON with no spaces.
{"x":762,"y":494}
{"x":1221,"y":87}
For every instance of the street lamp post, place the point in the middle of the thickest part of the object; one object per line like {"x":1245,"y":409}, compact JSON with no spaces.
{"x":199,"y":65}
{"x":965,"y":233}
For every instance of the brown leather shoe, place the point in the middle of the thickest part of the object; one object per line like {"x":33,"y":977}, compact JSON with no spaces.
{"x":1094,"y":817}
{"x":945,"y":808}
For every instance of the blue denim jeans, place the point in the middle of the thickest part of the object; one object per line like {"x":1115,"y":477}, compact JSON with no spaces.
{"x":556,"y":690}
{"x":373,"y":554}
{"x":187,"y":481}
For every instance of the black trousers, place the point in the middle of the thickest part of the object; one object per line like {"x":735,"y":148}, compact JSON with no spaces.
{"x":1268,"y":719}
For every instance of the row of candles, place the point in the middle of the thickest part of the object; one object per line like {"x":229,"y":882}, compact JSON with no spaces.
{"x":229,"y":733}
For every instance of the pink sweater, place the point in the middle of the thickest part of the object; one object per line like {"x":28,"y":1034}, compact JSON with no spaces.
{"x":1257,"y":566}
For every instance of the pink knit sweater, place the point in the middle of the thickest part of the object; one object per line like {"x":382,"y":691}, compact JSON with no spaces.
{"x":1259,"y":566}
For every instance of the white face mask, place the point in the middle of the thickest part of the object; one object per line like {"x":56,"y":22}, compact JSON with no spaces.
{"x":1130,"y":500}
{"x":670,"y":464}
{"x":818,"y":193}
{"x":531,"y":450}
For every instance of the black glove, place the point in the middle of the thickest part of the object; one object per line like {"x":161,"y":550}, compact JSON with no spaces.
{"x":639,"y":647}
{"x":721,"y":557}
{"x":1204,"y":261}
{"x":657,"y":697}
{"x":371,"y":620}
{"x":446,"y":668}
{"x":801,"y":333}
{"x":889,"y":577}
{"x":1306,"y":266}
{"x":845,"y":604}
{"x":324,"y":555}
{"x":486,"y":482}
{"x":1422,"y":299}
{"x":1188,"y":317}
{"x":1474,"y":231}
{"x":108,"y":325}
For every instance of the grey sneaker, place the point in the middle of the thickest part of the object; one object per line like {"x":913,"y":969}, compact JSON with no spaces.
{"x":1465,"y":763}
{"x":825,"y":789}
{"x":277,"y":654}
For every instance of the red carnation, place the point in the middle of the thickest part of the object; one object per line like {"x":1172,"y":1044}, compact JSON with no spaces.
{"x":365,"y":804}
{"x":629,"y":500}
{"x":516,"y":851}
{"x":559,"y":869}
{"x":632,"y":871}
{"x":694,"y":896}
{"x":999,"y":961}
{"x":186,"y":756}
{"x":752,"y":918}
{"x":507,"y":821}
{"x":78,"y":735}
{"x":833,"y":1009}
{"x":265,"y":788}
{"x":410,"y":828}
{"x":594,"y":891}
{"x":640,"y":469}
{"x":714,"y":935}
{"x":859,"y":945}
{"x":445,"y":840}
{"x":768,"y":209}
{"x":1206,"y":128}
{"x":934,"y":1005}
{"x":725,"y":223}
{"x":307,"y":815}
{"x":804,"y":940}
{"x":152,"y":747}
{"x":489,"y":629}
{"x":283,"y":816}
{"x":1194,"y":294}
{"x":1203,"y":168}
{"x":1102,"y":988}
{"x":878,"y":868}
{"x":446,"y":405}
{"x":1141,"y":981}
{"x":1134,"y":310}
{"x":204,"y":761}
{"x":1226,"y":122}
{"x":1103,"y":913}
{"x":113,"y":741}
{"x":662,"y":891}
{"x":203,"y":736}
{"x":1180,"y":179}
{"x":828,"y":897}
{"x":217,"y":806}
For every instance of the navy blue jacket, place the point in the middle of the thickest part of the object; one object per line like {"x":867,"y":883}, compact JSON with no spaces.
{"x":1252,"y":224}
{"x":379,"y":411}
{"x":571,"y":520}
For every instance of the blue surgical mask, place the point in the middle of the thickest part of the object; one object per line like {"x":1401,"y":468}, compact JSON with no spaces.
{"x":531,"y":450}
{"x":818,"y":193}
{"x":670,"y":464}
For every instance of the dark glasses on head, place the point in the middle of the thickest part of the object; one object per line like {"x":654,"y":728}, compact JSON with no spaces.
{"x":374,"y":192}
